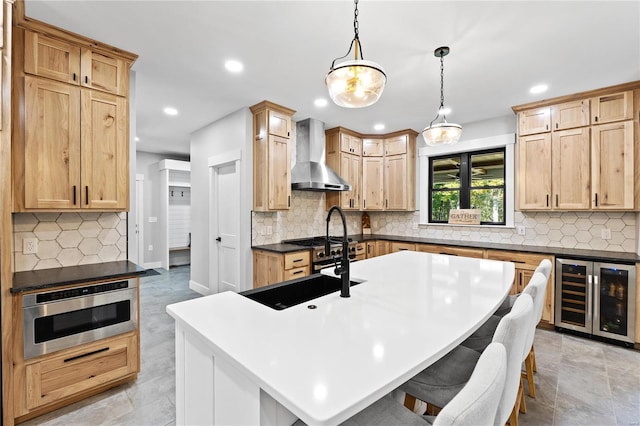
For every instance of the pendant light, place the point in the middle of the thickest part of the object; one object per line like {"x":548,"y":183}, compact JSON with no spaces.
{"x":442,"y":133}
{"x":355,"y":83}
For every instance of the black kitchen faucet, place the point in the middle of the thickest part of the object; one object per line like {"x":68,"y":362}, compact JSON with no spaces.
{"x":343,"y":268}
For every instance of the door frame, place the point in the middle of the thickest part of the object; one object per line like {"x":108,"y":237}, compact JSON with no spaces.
{"x":232,"y":157}
{"x":140,"y":218}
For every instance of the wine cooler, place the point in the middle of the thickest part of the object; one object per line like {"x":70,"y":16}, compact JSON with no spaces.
{"x":596,"y":298}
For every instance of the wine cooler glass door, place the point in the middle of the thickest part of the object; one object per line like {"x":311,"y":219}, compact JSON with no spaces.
{"x":573,"y":294}
{"x":614,"y":301}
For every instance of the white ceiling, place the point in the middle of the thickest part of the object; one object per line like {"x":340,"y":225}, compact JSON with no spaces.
{"x":498,"y":51}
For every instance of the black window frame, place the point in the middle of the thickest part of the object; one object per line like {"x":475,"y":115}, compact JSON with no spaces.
{"x":464,"y":191}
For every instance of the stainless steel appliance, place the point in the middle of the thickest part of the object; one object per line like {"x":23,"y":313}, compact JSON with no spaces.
{"x":320,"y":259}
{"x":60,"y":319}
{"x":596,"y":298}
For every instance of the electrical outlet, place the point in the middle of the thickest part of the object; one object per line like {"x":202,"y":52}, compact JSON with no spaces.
{"x":29,"y":246}
{"x":415,"y":226}
{"x":269,"y":230}
{"x":606,"y":233}
{"x":522,"y":230}
{"x":150,"y":247}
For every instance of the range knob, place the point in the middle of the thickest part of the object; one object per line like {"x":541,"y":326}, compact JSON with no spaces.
{"x":333,"y":252}
{"x":321,"y":254}
{"x":338,"y":251}
{"x":352,"y":249}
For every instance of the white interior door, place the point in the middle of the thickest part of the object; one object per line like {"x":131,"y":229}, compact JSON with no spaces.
{"x":140,"y":220}
{"x":225,"y":224}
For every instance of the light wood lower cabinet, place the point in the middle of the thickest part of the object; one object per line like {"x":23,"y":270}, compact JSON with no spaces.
{"x":526,"y":263}
{"x":377,"y":248}
{"x":71,"y":372}
{"x":455,"y":251}
{"x":270,"y":267}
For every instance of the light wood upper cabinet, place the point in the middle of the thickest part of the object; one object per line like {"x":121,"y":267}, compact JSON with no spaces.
{"x":372,"y":183}
{"x":64,"y":61}
{"x":589,"y":158}
{"x":396,"y":145}
{"x":351,"y":170}
{"x":395,"y":178}
{"x":613,"y":177}
{"x":612,"y":107}
{"x":571,"y":173}
{"x":534,"y":172}
{"x":49,"y":158}
{"x":63,"y":166}
{"x":51,"y":58}
{"x":350,"y":144}
{"x":105,"y":151}
{"x":271,"y":157}
{"x":372,"y":147}
{"x":533,"y":121}
{"x":570,"y":114}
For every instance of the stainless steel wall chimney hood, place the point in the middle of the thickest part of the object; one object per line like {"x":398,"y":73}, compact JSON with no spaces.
{"x":310,"y":173}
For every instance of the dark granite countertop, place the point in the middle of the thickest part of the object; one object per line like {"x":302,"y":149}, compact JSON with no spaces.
{"x":595,"y":255}
{"x":56,"y":277}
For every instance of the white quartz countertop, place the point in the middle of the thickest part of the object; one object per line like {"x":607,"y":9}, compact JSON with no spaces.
{"x":326,"y":364}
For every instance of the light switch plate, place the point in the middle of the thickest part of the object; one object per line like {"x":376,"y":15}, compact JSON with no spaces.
{"x":521,"y":230}
{"x":606,"y":233}
{"x":29,"y":245}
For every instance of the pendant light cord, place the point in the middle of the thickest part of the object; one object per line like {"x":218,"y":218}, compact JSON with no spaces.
{"x":444,"y":116}
{"x":356,"y":37}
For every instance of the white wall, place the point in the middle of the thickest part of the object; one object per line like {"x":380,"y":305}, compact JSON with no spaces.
{"x":227,"y":134}
{"x":147,"y":165}
{"x":132,"y":241}
{"x":488,"y":128}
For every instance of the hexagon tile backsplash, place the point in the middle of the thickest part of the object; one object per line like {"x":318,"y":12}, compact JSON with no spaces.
{"x":580,"y":230}
{"x":68,"y":239}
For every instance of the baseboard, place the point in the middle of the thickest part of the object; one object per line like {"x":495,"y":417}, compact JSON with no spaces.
{"x":153,"y":265}
{"x":199,"y":288}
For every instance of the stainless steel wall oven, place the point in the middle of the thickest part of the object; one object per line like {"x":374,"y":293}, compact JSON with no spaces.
{"x":60,"y":319}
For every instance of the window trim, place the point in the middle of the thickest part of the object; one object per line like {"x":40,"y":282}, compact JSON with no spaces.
{"x":506,"y":141}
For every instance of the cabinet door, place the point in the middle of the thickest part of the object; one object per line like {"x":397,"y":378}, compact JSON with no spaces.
{"x":395,"y":182}
{"x":372,"y":147}
{"x":396,"y":145}
{"x":571,"y":169}
{"x":105,"y":151}
{"x":279,"y":173}
{"x":382,"y":248}
{"x":534,"y":172}
{"x":51,"y":145}
{"x":47,"y":57}
{"x":612,"y":162}
{"x":350,"y":144}
{"x":534,"y":121}
{"x":355,"y":179}
{"x":372,"y":183}
{"x":615,"y":107}
{"x":570,"y":114}
{"x":268,"y":268}
{"x":279,"y":124}
{"x":105,"y":73}
{"x":372,"y":249}
{"x":399,"y":246}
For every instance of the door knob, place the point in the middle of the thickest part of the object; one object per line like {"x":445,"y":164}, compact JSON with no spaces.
{"x":219,"y":239}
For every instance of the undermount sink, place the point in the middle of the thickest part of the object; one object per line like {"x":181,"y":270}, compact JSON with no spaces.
{"x":290,"y":293}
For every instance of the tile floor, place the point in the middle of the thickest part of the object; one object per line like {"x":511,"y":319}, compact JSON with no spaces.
{"x":579,"y":381}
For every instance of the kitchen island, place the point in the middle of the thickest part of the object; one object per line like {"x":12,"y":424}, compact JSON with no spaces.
{"x":240,"y":362}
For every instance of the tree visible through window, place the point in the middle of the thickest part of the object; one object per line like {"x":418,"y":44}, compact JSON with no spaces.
{"x":470,"y":180}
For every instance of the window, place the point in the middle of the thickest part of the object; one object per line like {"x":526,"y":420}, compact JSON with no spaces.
{"x":468,"y":180}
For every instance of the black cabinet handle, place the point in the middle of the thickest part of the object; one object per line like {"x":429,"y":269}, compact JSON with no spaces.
{"x":74,"y":76}
{"x":596,"y":118}
{"x":547,"y":200}
{"x":86,"y":195}
{"x":289,"y":201}
{"x":596,"y":199}
{"x":364,"y":204}
{"x":298,"y":272}
{"x":556,"y":200}
{"x":556,"y":125}
{"x":86,"y":79}
{"x":73,"y":358}
{"x":74,"y":195}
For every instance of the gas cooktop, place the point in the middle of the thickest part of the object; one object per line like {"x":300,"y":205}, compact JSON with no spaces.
{"x":316,"y":241}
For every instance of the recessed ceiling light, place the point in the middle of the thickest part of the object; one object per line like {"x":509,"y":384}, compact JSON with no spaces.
{"x":538,"y":89}
{"x":233,"y":66}
{"x":320,"y":102}
{"x":137,"y":139}
{"x":378,"y":126}
{"x":170,"y":111}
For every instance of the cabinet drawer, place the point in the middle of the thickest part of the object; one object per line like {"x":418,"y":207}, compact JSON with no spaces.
{"x":297,"y":259}
{"x":455,"y":251}
{"x":522,"y":260}
{"x":613,"y":107}
{"x":398,"y":246}
{"x":72,"y":372}
{"x":297,"y":273}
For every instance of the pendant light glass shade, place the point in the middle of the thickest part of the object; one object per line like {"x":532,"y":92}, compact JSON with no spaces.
{"x":442,"y":133}
{"x":355,"y":83}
